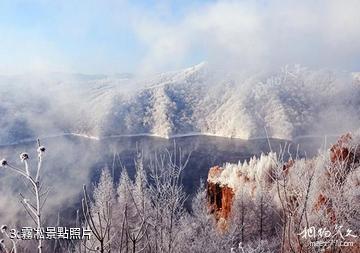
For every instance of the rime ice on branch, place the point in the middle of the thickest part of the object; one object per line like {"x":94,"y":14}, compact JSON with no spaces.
{"x":40,"y":195}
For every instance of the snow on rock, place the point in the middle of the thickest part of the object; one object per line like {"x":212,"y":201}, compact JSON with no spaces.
{"x":225,"y":183}
{"x":236,"y":176}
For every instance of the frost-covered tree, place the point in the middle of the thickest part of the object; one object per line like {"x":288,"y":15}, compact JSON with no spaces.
{"x":199,"y":229}
{"x":242,"y":216}
{"x":167,"y":200}
{"x":161,"y":112}
{"x":264,"y":218}
{"x":133,"y":205}
{"x":98,"y":214}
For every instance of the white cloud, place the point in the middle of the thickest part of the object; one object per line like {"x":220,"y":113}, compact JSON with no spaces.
{"x":255,"y":34}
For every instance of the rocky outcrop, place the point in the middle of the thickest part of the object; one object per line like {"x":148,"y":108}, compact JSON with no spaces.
{"x":220,"y":199}
{"x":307,"y":187}
{"x":223,"y":184}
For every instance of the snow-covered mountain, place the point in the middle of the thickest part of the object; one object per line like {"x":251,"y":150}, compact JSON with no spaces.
{"x":290,"y":102}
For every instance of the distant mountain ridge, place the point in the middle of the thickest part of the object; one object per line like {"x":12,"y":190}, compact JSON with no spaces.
{"x":290,"y":102}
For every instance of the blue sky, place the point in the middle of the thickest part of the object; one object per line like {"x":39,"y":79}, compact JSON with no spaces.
{"x":79,"y":36}
{"x":114,"y":36}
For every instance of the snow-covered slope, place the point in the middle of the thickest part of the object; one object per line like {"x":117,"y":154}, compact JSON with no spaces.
{"x":291,"y":102}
